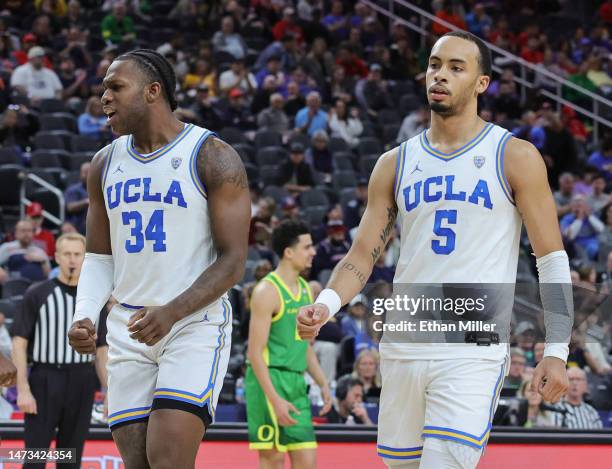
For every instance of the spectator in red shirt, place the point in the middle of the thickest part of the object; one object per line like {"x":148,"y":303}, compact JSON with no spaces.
{"x":501,"y":35}
{"x":605,"y":12}
{"x":532,"y":30}
{"x":42,"y":237}
{"x":451,"y":15}
{"x":287,"y":25}
{"x":353,"y":66}
{"x":533,"y":53}
{"x":574,"y":124}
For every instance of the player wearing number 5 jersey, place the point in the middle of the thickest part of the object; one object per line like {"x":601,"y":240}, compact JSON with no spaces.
{"x":167,"y":233}
{"x":459,"y":192}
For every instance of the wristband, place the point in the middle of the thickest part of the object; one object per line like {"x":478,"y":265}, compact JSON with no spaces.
{"x":331,"y":299}
{"x":560,"y":351}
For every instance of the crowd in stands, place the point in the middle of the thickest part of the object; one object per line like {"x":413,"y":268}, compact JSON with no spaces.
{"x":310,"y":93}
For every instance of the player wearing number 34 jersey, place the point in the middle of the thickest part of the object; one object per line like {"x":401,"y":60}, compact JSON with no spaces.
{"x":167,"y":231}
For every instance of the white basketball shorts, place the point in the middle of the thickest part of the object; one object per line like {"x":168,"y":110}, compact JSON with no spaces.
{"x":447,"y":399}
{"x":184,"y":370}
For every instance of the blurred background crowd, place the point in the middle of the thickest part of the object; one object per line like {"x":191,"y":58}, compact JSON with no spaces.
{"x":310,"y":93}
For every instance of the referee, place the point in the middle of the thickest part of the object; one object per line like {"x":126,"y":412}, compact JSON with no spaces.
{"x":58,"y":394}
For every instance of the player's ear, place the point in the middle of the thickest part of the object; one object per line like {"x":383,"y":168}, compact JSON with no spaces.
{"x":152,"y":91}
{"x":482,"y":83}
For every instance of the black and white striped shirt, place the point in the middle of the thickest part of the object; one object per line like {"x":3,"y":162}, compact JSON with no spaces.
{"x":583,"y":416}
{"x":45,"y":318}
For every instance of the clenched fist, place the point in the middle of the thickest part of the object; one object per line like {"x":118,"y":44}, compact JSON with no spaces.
{"x":82,"y":336}
{"x":310,"y":319}
{"x":550,"y":379}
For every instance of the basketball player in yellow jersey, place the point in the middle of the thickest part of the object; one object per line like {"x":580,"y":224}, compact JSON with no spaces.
{"x":459,"y":191}
{"x":278,"y":408}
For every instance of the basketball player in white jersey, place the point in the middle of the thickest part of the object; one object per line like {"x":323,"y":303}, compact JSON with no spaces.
{"x":167,"y":235}
{"x":458,"y":191}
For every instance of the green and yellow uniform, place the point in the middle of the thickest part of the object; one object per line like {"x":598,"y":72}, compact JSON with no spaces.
{"x":285,"y":355}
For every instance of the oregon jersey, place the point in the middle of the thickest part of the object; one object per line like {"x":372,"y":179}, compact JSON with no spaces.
{"x":285,"y":349}
{"x":285,"y":355}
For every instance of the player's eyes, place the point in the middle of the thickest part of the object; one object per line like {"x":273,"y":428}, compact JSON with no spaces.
{"x":457,"y":69}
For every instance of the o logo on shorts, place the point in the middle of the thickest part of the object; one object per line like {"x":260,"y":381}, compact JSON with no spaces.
{"x":265,"y":432}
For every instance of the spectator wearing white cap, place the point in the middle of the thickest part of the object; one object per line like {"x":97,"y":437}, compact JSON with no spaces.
{"x":34,"y":80}
{"x":355,"y":321}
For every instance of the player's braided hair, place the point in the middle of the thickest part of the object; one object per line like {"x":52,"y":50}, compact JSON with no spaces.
{"x":156,"y":68}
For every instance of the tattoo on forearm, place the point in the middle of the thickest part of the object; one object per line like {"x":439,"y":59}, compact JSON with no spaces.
{"x":349,"y":267}
{"x":385,"y":233}
{"x":219,"y":164}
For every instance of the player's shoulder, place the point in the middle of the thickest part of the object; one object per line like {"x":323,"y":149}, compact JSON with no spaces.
{"x":219,"y":163}
{"x":264,"y":286}
{"x":388,"y":160}
{"x":521,"y":153}
{"x":99,"y":159}
{"x":384,"y":172}
{"x":215,"y":144}
{"x":519,"y":146}
{"x":523,"y":164}
{"x":265,"y":297}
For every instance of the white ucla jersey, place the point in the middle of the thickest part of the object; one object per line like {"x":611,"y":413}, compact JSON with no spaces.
{"x":159,"y":222}
{"x":458,"y":224}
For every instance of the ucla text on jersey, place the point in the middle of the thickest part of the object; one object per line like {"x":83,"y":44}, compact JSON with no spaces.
{"x":159,"y":222}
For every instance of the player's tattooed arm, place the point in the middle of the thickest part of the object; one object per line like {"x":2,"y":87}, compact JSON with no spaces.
{"x":385,"y":233}
{"x":224,"y":168}
{"x":352,"y":268}
{"x":229,"y":206}
{"x":352,"y":272}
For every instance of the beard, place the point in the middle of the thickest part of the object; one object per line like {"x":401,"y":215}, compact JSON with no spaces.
{"x":442,"y":109}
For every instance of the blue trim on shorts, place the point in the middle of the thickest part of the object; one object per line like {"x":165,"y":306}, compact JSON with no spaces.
{"x":445,"y":433}
{"x":206,"y":397}
{"x":125,"y":305}
{"x":141,"y":413}
{"x":387,"y":452}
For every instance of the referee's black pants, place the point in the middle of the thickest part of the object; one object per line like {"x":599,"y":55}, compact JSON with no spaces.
{"x":64,"y":398}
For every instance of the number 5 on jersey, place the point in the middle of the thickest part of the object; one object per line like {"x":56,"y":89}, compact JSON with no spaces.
{"x":450,"y":216}
{"x":153,"y":232}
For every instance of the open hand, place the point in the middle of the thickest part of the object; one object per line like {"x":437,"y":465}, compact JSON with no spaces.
{"x":282,"y":409}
